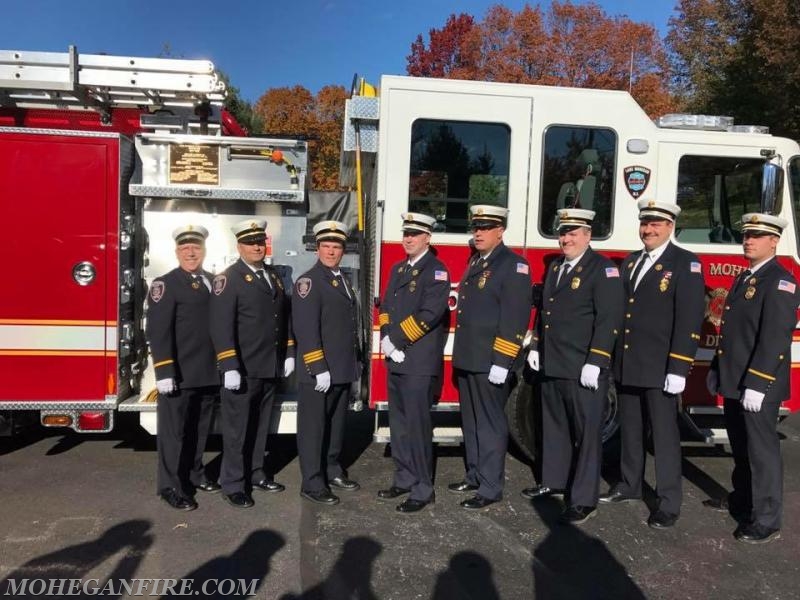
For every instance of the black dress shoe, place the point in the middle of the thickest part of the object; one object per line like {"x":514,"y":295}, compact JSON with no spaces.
{"x":617,"y":497}
{"x":575,"y":515}
{"x":409,"y":505}
{"x":344,"y":484}
{"x":540,"y":491}
{"x":176,"y":500}
{"x":755,"y":533}
{"x":392,"y":492}
{"x":477,"y":502}
{"x":267,"y":485}
{"x":238,"y":499}
{"x":461,"y":487}
{"x":323,"y":496}
{"x":208,"y":486}
{"x":724,"y":505}
{"x":661,"y":520}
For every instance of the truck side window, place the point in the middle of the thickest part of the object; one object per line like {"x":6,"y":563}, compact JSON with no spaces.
{"x":713,"y":193}
{"x":578,"y":172}
{"x":794,"y":188}
{"x":455,"y":164}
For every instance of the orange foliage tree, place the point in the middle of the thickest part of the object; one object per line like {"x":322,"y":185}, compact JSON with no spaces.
{"x":296,"y":112}
{"x":567,"y":44}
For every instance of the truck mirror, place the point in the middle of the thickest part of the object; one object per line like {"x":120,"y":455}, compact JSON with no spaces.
{"x":771,"y":187}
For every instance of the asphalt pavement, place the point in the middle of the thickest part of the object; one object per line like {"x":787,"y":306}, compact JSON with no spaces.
{"x":85,"y":507}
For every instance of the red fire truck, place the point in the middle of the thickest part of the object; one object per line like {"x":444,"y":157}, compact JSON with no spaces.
{"x":101,"y":157}
{"x":437,"y":146}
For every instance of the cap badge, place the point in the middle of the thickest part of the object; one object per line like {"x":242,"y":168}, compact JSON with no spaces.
{"x":479,"y":212}
{"x":189,"y":228}
{"x":253,"y":225}
{"x":332,"y":227}
{"x":754,"y":219}
{"x":651,"y":204}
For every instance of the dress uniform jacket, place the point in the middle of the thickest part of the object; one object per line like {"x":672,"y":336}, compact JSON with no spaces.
{"x":661,"y":328}
{"x":326,"y":325}
{"x":178,"y":330}
{"x":579,"y":319}
{"x":414,"y":314}
{"x":250,"y":322}
{"x":494,"y":308}
{"x":756,"y":336}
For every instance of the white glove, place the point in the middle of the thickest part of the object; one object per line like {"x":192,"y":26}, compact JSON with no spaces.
{"x":497,"y":375}
{"x":397,"y":356}
{"x":166,"y":386}
{"x":387,"y":346}
{"x":233,"y":380}
{"x":674,"y":384}
{"x":533,"y":359}
{"x":288,"y":366}
{"x":751,"y":400}
{"x":712,"y":382}
{"x":323,"y":382}
{"x":589,"y":376}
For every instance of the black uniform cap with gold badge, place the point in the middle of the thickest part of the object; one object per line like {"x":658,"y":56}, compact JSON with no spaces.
{"x":190,"y":234}
{"x":417,"y":223}
{"x":330,"y":231}
{"x":250,"y":231}
{"x":655,"y":210}
{"x":572,"y":218}
{"x":763,"y":224}
{"x":487,"y":215}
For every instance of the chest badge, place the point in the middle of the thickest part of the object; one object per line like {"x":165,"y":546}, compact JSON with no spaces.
{"x":335,"y":283}
{"x":248,"y":278}
{"x":412,"y":286}
{"x":658,"y":267}
{"x":415,"y":272}
{"x":749,"y":292}
{"x":576,"y":283}
{"x":481,"y":283}
{"x":195,"y":285}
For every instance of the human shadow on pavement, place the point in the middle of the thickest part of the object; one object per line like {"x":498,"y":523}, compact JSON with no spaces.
{"x":571,"y":564}
{"x":349,"y":577}
{"x":132,"y":537}
{"x":468,"y":576}
{"x":248,"y":565}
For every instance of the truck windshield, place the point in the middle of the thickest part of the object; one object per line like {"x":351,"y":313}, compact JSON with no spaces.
{"x":794,"y":189}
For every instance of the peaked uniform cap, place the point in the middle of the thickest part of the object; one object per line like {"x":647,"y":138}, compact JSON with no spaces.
{"x":250,"y":230}
{"x":334,"y":231}
{"x":764,"y":223}
{"x":190,"y":234}
{"x":418,"y":222}
{"x":575,"y":217}
{"x":655,"y":209}
{"x":486,"y":215}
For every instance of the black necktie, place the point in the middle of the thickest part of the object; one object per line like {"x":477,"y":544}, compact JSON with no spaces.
{"x":740,"y":280}
{"x":340,"y":279}
{"x":638,"y":270}
{"x":562,"y":275}
{"x":199,"y":283}
{"x":262,"y":277}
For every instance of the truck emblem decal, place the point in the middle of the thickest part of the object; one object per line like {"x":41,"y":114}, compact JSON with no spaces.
{"x":303,"y":286}
{"x":715,"y":304}
{"x":636,"y":179}
{"x":219,"y":284}
{"x":157,"y":291}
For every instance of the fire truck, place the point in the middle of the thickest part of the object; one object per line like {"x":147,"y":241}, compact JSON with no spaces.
{"x":437,"y":146}
{"x":101,"y":157}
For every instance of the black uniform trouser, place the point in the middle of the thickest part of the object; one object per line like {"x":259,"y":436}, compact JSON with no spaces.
{"x":410,"y":399}
{"x":758,"y":467}
{"x":183,"y":422}
{"x":320,"y":434}
{"x":246,"y":415}
{"x":483,"y":421}
{"x":572,"y":417}
{"x":634,"y":404}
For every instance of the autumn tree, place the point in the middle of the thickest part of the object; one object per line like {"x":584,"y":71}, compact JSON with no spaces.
{"x":567,"y":44}
{"x":740,"y":58}
{"x":296,"y":112}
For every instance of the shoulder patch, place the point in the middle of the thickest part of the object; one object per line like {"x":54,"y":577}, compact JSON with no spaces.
{"x":522,"y":268}
{"x":440,"y":275}
{"x":303,"y":286}
{"x":695,"y":267}
{"x":612,"y":272}
{"x":157,"y":290}
{"x":220,"y":281}
{"x":786,"y":286}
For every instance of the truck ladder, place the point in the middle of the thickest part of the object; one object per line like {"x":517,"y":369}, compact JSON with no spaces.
{"x":64,"y":80}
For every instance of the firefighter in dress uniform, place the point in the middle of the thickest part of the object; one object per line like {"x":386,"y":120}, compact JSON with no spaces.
{"x":751,"y":372}
{"x":664,"y":307}
{"x":576,"y":328}
{"x":494,"y":308}
{"x":186,"y":375}
{"x":251,"y":329}
{"x":414,"y":321}
{"x":325,"y":316}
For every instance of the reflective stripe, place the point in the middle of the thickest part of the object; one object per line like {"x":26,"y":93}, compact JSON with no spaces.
{"x":57,"y":337}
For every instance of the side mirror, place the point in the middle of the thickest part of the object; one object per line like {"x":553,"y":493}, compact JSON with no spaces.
{"x":771,"y":188}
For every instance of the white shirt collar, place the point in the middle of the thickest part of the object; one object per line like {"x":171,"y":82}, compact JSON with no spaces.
{"x":656,"y":253}
{"x":414,"y":261}
{"x":755,"y":268}
{"x":574,"y":261}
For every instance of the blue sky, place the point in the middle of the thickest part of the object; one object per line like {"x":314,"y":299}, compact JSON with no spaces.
{"x":259,"y":43}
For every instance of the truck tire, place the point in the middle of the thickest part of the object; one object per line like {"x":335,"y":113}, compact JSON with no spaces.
{"x":523,"y":411}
